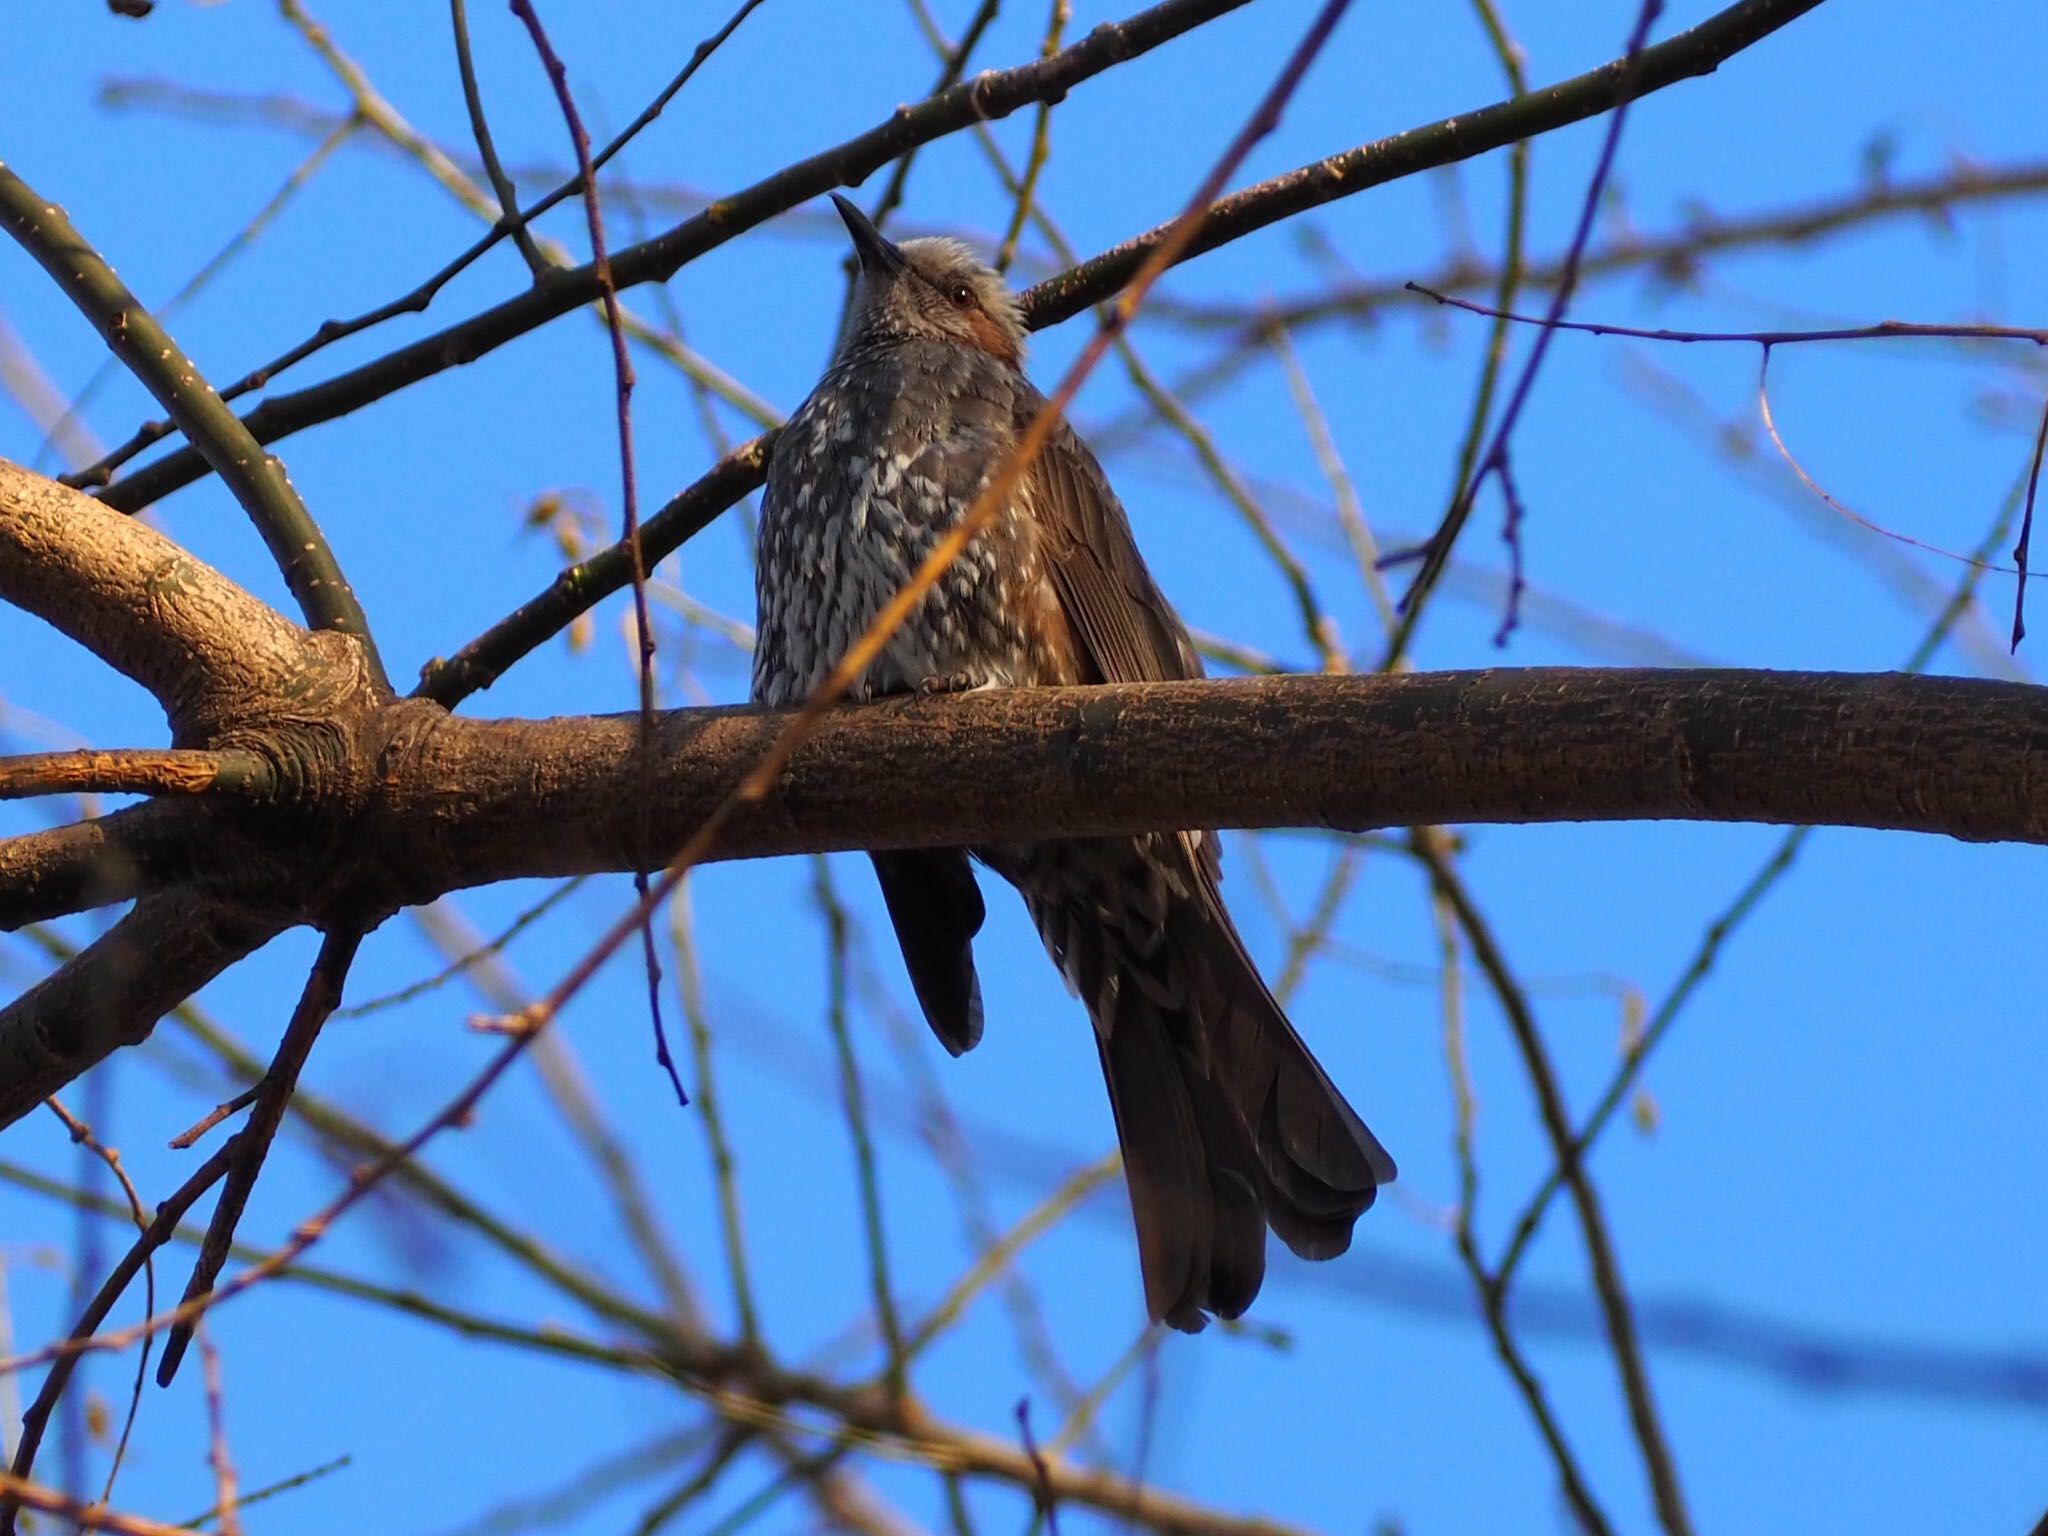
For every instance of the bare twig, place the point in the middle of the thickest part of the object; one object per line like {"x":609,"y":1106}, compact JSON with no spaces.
{"x":82,"y":1134}
{"x":63,"y":1359}
{"x":1435,"y":552}
{"x":250,"y":1146}
{"x":629,"y":502}
{"x":509,"y":220}
{"x":227,"y":1505}
{"x":2019,"y":550}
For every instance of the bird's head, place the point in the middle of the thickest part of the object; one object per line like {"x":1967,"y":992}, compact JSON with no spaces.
{"x":934,"y":289}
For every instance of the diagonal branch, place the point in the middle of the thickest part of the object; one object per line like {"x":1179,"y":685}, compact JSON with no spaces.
{"x":1699,"y":51}
{"x":255,"y":478}
{"x":113,"y":993}
{"x":108,"y":859}
{"x":996,"y":94}
{"x":990,"y":95}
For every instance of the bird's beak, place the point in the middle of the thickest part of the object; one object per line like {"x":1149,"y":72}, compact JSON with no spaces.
{"x":878,"y":256}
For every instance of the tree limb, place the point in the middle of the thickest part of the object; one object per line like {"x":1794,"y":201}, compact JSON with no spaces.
{"x":457,"y":802}
{"x":491,"y":800}
{"x":210,"y":653}
{"x":256,"y":479}
{"x":114,"y":992}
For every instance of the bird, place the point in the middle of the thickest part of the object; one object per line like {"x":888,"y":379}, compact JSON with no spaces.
{"x":1227,"y":1124}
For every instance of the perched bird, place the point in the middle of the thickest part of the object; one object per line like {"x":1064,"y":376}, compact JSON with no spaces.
{"x":1226,"y":1121}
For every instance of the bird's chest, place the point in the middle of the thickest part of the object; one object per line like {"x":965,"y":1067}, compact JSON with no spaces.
{"x":858,"y":499}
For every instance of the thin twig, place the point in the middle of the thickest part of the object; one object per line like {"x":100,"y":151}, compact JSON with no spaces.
{"x":1041,"y":146}
{"x":84,"y":1336}
{"x":509,"y":219}
{"x":1435,"y":552}
{"x":629,"y":501}
{"x":81,"y":1133}
{"x":226,"y":1485}
{"x":1615,"y":1307}
{"x":710,"y":1109}
{"x":250,"y":1147}
{"x":2019,"y":550}
{"x":462,"y":963}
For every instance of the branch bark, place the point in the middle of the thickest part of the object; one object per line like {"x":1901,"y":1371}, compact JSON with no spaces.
{"x":454,"y":802}
{"x":212,"y":655}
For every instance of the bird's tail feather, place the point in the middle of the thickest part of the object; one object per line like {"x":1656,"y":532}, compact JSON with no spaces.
{"x":1223,"y":1115}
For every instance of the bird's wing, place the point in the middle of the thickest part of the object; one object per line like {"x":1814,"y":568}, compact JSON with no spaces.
{"x":1124,"y":629}
{"x":1121,"y":622}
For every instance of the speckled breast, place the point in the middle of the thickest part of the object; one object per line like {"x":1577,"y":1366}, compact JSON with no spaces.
{"x":876,"y":467}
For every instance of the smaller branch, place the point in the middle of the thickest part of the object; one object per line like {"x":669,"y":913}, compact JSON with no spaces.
{"x":1616,"y":1307}
{"x":629,"y":501}
{"x":1675,"y":254}
{"x":17,"y":1492}
{"x":1496,"y":464}
{"x":485,"y":659}
{"x":14,"y":1486}
{"x":250,"y":1146}
{"x":1834,"y":503}
{"x":81,"y":1133}
{"x":1685,"y":55}
{"x":1884,"y":330}
{"x":256,"y":479}
{"x":949,"y":74}
{"x":853,"y":1104}
{"x":227,"y":1487}
{"x":509,"y":220}
{"x":2019,"y":550}
{"x":138,"y":771}
{"x":1041,"y":147}
{"x":135,"y":851}
{"x":112,"y":993}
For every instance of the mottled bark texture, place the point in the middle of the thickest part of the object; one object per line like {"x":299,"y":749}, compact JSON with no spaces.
{"x":382,"y":802}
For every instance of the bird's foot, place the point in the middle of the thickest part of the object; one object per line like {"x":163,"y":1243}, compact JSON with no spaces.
{"x":951,"y":682}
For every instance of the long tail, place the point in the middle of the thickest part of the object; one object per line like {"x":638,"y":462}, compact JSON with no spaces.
{"x":1227,"y":1123}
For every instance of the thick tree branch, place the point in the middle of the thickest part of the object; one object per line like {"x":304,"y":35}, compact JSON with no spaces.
{"x":210,"y":653}
{"x":454,"y":802}
{"x":256,"y":479}
{"x":112,"y":994}
{"x":110,"y":859}
{"x":484,"y":801}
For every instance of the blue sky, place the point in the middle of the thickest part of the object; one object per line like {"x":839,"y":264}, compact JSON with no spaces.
{"x":1848,"y":1145}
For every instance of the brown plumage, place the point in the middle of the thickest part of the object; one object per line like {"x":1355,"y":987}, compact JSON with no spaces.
{"x":1227,"y":1123}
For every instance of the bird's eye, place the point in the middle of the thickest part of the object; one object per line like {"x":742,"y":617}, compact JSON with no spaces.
{"x":961,"y":294}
